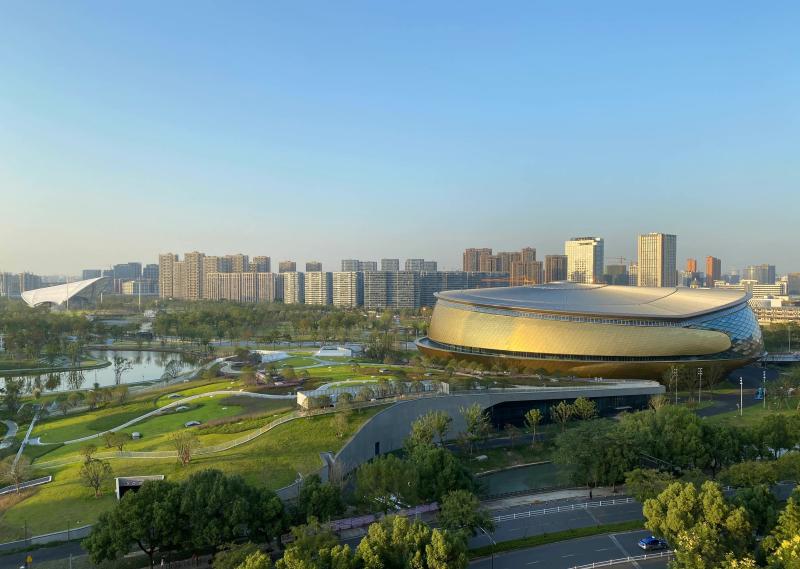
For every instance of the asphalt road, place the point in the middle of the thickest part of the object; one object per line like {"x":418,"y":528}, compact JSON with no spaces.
{"x":63,"y":551}
{"x":566,"y":554}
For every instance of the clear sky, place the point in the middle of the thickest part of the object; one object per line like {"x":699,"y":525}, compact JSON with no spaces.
{"x":396,"y":129}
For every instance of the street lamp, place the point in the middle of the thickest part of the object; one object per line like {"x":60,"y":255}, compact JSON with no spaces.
{"x":700,"y":389}
{"x":764,"y":383}
{"x":675,"y":381}
{"x":494,"y":543}
{"x":741,"y":396}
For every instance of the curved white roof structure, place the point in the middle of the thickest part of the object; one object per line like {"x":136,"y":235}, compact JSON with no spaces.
{"x":82,"y":291}
{"x":604,"y":300}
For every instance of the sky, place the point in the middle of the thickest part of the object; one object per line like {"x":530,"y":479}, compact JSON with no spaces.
{"x":330,"y":130}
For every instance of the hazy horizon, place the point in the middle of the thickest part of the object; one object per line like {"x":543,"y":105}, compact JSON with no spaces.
{"x":362,"y":130}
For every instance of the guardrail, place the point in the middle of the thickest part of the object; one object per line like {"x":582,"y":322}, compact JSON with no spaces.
{"x":559,"y":509}
{"x":27,"y":484}
{"x":629,"y":559}
{"x":64,"y":535}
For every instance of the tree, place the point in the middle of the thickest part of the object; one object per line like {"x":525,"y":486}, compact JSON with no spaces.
{"x":317,"y":500}
{"x":340,"y":424}
{"x":584,"y":409}
{"x":477,"y":424}
{"x":532,"y":420}
{"x":149,"y":518}
{"x":385,"y":483}
{"x":513,"y":432}
{"x":438,"y":472}
{"x":185,"y":442}
{"x":645,"y":483}
{"x":699,"y":524}
{"x":460,"y":511}
{"x":749,"y":473}
{"x":12,"y":393}
{"x":171,"y":371}
{"x":88,"y":452}
{"x":597,"y":452}
{"x":658,"y":401}
{"x":561,"y":414}
{"x":119,"y":439}
{"x":232,"y":555}
{"x":256,"y":560}
{"x":121,"y":365}
{"x":15,"y":472}
{"x":440,"y":421}
{"x":780,"y":544}
{"x":94,"y":473}
{"x":761,"y":506}
{"x":310,"y":547}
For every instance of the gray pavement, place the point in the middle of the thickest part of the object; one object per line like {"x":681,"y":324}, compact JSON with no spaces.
{"x":566,"y":554}
{"x":8,"y":439}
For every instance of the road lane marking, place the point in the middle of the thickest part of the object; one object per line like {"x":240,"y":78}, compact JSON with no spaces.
{"x":623,"y":550}
{"x":567,"y":555}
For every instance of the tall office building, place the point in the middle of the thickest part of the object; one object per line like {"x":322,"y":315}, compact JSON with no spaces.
{"x":261,"y":264}
{"x":764,"y":273}
{"x":194,"y":275}
{"x":313,"y":266}
{"x":472,"y":259}
{"x":430,"y":266}
{"x":150,"y":272}
{"x":318,"y":288}
{"x":365,"y":266}
{"x":348,"y":289}
{"x":713,"y":271}
{"x":585,"y":259}
{"x":287,"y":267}
{"x":391,"y":265}
{"x":616,"y":275}
{"x":793,"y":283}
{"x":415,"y":264}
{"x":658,"y":260}
{"x":293,"y":287}
{"x":166,"y":269}
{"x":87,"y":274}
{"x":350,"y":265}
{"x":691,"y":265}
{"x":555,"y":268}
{"x":238,"y":263}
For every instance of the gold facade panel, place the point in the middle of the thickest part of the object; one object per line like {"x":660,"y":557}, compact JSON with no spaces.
{"x":517,"y":334}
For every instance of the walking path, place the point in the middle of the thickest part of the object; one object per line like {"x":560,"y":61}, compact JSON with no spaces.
{"x":38,"y":409}
{"x":12,"y":429}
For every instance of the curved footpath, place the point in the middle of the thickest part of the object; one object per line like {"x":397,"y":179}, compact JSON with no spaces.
{"x":167,"y":406}
{"x":12,"y":429}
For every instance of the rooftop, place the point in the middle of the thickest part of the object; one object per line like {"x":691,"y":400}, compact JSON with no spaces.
{"x":601,"y":300}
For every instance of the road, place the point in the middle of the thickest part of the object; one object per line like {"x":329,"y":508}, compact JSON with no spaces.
{"x":566,"y":554}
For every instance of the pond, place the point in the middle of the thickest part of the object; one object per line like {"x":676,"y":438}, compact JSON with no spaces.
{"x":534,"y":477}
{"x":145,"y":366}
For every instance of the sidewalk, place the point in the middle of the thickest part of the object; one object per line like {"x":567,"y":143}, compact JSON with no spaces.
{"x":544,"y":497}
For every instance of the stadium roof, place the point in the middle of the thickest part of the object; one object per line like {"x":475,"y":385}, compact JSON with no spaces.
{"x":601,"y":300}
{"x":86,"y":290}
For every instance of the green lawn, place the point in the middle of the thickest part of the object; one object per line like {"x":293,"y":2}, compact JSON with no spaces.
{"x":272,"y":460}
{"x":753,"y":413}
{"x":499,"y":458}
{"x":297,"y":361}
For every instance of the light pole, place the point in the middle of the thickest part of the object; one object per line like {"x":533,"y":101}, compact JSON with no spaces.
{"x":764,"y":383}
{"x":700,"y":388}
{"x":741,"y":396}
{"x":494,"y":543}
{"x":675,"y":381}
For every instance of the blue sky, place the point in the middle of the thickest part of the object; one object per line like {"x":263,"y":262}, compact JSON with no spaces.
{"x":416,"y":129}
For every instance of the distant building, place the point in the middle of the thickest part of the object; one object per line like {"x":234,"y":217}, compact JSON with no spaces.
{"x":430,"y":266}
{"x":658,"y":260}
{"x":758,"y":290}
{"x":193,"y":267}
{"x":348,"y":289}
{"x":350,"y":265}
{"x":633,"y":274}
{"x":472,"y":259}
{"x":293,"y":288}
{"x":713,"y":271}
{"x":150,"y":273}
{"x":140,"y":287}
{"x":287,"y":267}
{"x":29,"y":281}
{"x":415,"y":264}
{"x":166,"y":276}
{"x":261,"y":264}
{"x":318,"y":288}
{"x":239,"y":263}
{"x":87,"y":274}
{"x":9,"y":285}
{"x":313,"y":266}
{"x":391,"y":265}
{"x":616,"y":275}
{"x":793,"y":283}
{"x":526,"y":273}
{"x":764,"y":273}
{"x":391,"y":289}
{"x":585,"y":259}
{"x":365,"y":266}
{"x":691,"y":265}
{"x":555,"y":268}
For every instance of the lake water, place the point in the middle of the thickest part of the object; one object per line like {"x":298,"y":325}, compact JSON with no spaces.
{"x":537,"y":476}
{"x":146,"y":366}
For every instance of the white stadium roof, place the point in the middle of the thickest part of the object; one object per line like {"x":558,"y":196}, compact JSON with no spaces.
{"x":86,"y":290}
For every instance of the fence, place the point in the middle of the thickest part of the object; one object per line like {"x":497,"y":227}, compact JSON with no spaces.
{"x":629,"y":559}
{"x":559,"y":509}
{"x":361,"y":521}
{"x":65,"y":535}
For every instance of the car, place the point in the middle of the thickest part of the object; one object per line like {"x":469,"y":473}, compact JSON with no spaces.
{"x":652,"y":543}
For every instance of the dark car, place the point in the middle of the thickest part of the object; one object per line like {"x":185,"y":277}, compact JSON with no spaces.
{"x":652,"y":543}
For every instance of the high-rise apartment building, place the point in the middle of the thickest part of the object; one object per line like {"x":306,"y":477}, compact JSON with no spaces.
{"x":472,"y":259}
{"x":793,"y":283}
{"x":348,"y":289}
{"x":87,"y":274}
{"x":657,"y":260}
{"x":713,"y":271}
{"x":214,"y":264}
{"x":9,"y":285}
{"x":179,"y":285}
{"x":194,"y":275}
{"x":318,"y":288}
{"x":350,"y":265}
{"x":391,"y":289}
{"x":430,"y":266}
{"x":415,"y":264}
{"x":526,"y":273}
{"x":585,"y":259}
{"x":691,"y":265}
{"x":555,"y":268}
{"x":764,"y":273}
{"x":365,"y":266}
{"x":166,"y":270}
{"x":313,"y":266}
{"x":261,"y":264}
{"x":150,"y":272}
{"x":633,"y":274}
{"x":287,"y":267}
{"x":270,"y":287}
{"x":238,"y":263}
{"x":391,"y":265}
{"x":238,"y":287}
{"x":293,"y":288}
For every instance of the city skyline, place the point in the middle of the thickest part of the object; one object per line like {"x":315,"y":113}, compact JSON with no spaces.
{"x":408,"y":130}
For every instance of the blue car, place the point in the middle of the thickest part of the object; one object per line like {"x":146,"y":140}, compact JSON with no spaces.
{"x":652,"y":543}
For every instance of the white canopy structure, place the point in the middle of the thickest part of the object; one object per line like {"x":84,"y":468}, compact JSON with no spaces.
{"x":80,"y":292}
